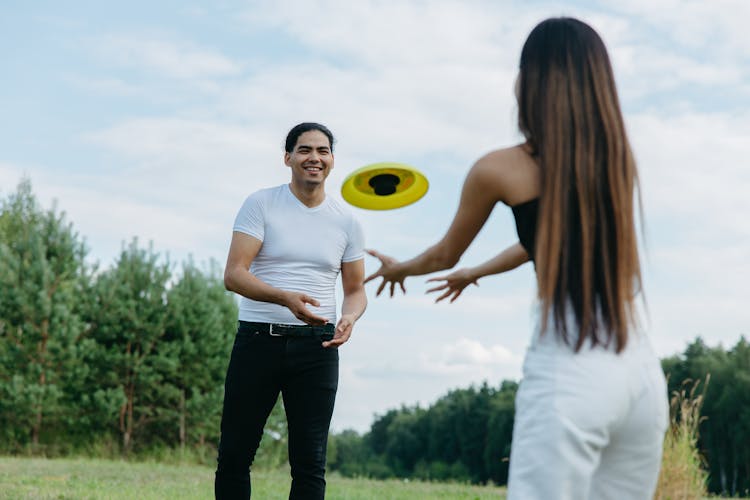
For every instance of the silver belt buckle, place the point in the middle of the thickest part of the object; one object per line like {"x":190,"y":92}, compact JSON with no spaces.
{"x":270,"y":331}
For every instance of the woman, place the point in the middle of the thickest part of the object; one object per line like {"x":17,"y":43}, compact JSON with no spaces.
{"x":591,"y":410}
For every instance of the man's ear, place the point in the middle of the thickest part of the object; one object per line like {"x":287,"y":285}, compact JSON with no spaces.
{"x":287,"y":157}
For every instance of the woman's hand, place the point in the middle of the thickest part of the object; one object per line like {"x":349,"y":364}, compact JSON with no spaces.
{"x":455,"y":283}
{"x":389,"y":271}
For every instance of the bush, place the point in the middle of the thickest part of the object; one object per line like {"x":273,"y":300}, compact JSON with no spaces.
{"x":682,"y":470}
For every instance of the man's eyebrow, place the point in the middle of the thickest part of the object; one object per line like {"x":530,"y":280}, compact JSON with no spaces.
{"x":306,"y":146}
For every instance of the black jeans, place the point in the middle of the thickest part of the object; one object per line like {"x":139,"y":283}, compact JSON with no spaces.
{"x":306,"y":374}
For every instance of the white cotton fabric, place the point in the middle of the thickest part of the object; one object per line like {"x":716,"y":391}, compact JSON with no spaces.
{"x":589,"y":425}
{"x":302,"y":250}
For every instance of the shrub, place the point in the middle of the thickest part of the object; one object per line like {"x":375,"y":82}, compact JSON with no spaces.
{"x":683,"y":475}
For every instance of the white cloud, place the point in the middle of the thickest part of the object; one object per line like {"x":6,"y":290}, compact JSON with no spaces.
{"x":467,"y":359}
{"x":468,"y":352}
{"x":107,"y":86}
{"x":182,"y":159}
{"x":106,"y":215}
{"x":647,"y":70}
{"x":398,"y":368}
{"x":179,"y":139}
{"x":718,"y":26}
{"x":677,"y":318}
{"x":176,"y":59}
{"x":385,"y":114}
{"x":375,"y":33}
{"x":692,"y":171}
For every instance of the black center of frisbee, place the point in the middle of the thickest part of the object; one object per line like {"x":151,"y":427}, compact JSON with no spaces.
{"x":384,"y":184}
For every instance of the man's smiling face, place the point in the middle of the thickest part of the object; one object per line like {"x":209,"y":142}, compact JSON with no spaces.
{"x":311,"y":160}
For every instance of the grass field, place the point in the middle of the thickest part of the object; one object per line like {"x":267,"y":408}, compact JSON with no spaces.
{"x":63,"y":479}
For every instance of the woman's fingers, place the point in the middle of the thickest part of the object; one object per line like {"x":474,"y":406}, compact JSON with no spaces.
{"x":372,"y":277}
{"x":380,"y":288}
{"x":386,"y":264}
{"x":439,"y":287}
{"x":444,"y":295}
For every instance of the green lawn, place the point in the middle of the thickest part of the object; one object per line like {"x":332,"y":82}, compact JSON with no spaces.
{"x":35,"y":478}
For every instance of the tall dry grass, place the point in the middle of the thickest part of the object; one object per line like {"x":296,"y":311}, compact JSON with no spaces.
{"x":683,"y":475}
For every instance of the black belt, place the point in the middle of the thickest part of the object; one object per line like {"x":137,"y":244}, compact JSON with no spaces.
{"x":280,"y":330}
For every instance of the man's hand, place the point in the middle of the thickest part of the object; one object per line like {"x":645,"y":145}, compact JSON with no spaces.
{"x":295,"y":302}
{"x":343,"y":331}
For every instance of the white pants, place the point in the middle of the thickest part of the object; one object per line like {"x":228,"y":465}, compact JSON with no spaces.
{"x":588,"y":425}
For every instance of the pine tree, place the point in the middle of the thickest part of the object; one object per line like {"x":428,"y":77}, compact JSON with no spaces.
{"x":42,"y":275}
{"x":131,"y":361}
{"x":201,"y":322}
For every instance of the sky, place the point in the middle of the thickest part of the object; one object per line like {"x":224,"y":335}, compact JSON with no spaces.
{"x":156,"y":119}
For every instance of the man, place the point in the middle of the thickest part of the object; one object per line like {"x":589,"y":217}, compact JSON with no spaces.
{"x":289,"y":245}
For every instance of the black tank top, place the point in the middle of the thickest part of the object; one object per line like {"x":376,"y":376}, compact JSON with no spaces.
{"x":525,"y":214}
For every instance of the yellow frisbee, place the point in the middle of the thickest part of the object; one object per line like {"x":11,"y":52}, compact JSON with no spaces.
{"x":384,"y":186}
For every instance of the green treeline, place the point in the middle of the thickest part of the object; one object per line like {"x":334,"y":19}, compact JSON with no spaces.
{"x":131,"y":359}
{"x":466,"y":434}
{"x":133,"y":355}
{"x":724,"y":438}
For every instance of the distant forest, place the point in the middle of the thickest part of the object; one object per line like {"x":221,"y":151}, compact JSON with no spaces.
{"x":131,"y":359}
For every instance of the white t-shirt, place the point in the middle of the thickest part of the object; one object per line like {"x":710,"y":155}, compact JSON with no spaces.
{"x":302,"y":250}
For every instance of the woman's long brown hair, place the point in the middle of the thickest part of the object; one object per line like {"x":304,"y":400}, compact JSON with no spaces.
{"x":586,"y":250}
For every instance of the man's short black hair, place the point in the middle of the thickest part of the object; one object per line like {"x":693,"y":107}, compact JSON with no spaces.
{"x":298,"y":130}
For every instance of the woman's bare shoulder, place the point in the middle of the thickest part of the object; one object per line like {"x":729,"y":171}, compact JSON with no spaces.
{"x":512,"y":172}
